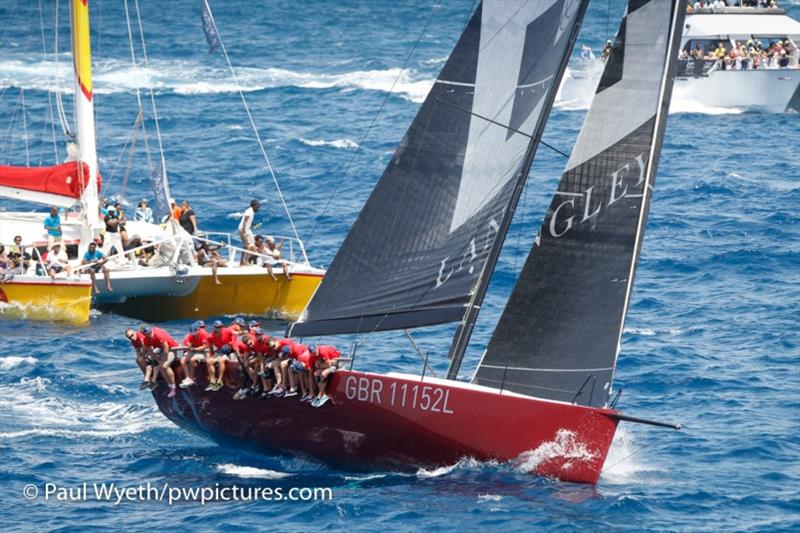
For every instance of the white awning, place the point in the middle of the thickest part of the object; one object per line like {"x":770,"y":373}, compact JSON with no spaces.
{"x":738,"y":26}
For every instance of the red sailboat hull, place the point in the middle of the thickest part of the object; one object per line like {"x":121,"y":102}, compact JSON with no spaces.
{"x":404,"y":422}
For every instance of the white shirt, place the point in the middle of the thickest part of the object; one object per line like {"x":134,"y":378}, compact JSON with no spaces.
{"x":247,"y":220}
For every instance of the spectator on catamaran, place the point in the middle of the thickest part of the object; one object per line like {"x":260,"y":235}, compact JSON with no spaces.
{"x":220,"y":345}
{"x":175,"y":209}
{"x":57,"y":261}
{"x":18,"y":266}
{"x":187,"y":218}
{"x":98,"y":261}
{"x":161,"y":344}
{"x":246,"y":232}
{"x":17,"y":247}
{"x":195,"y":348}
{"x":146,"y":364}
{"x":52,"y":225}
{"x":143,"y":212}
{"x":273,"y":251}
{"x":324,"y":367}
{"x":206,"y":256}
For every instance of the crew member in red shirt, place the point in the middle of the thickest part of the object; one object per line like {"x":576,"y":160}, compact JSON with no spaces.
{"x":195,"y":347}
{"x":263,"y":351}
{"x":218,"y":349}
{"x":324,"y":367}
{"x":294,"y":352}
{"x":244,"y":350}
{"x":279,"y":365}
{"x":160,"y":343}
{"x":146,"y":364}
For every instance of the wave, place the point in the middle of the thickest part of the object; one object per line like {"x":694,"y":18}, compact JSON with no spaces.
{"x":565,"y":446}
{"x":11,"y":362}
{"x":189,"y":78}
{"x":250,"y":472}
{"x":623,"y":463}
{"x":338,"y":143}
{"x":463,"y":463}
{"x":27,"y":407}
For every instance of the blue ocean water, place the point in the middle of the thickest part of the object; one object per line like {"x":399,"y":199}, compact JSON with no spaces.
{"x":711,"y":340}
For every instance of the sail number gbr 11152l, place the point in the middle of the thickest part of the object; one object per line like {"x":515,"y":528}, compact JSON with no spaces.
{"x":398,"y":394}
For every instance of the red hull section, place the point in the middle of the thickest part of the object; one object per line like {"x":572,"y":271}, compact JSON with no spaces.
{"x":63,"y":180}
{"x":397,"y":421}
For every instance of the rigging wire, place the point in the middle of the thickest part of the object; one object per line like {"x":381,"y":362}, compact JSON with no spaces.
{"x":11,"y":122}
{"x":62,"y":116}
{"x":521,"y":222}
{"x":148,"y":157}
{"x":51,"y":119}
{"x":372,"y":123}
{"x":255,"y":131}
{"x":419,"y":353}
{"x":128,"y":146}
{"x":152,"y":96}
{"x":25,"y":127}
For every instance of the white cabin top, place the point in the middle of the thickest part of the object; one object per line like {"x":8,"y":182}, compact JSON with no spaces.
{"x":741,"y":24}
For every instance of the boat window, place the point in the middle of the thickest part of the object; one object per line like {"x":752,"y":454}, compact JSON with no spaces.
{"x":706,"y":45}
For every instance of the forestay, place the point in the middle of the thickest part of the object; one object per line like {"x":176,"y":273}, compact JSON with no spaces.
{"x":417,"y":250}
{"x":562,"y":326}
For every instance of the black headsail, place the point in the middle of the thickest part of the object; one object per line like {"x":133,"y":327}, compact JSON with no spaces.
{"x":563,"y":323}
{"x":422,"y":242}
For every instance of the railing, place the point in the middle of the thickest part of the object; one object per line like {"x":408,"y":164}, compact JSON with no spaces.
{"x":232,"y":250}
{"x":699,"y":68}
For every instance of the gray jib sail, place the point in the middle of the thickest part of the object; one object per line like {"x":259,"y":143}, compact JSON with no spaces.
{"x":416,"y":251}
{"x":561,"y":328}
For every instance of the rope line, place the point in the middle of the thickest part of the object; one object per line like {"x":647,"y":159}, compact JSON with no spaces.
{"x":255,"y":131}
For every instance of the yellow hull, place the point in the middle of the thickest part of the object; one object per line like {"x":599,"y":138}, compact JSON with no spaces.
{"x":42,"y":299}
{"x":253,"y":294}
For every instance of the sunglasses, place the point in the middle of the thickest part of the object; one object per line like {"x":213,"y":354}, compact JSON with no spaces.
{"x":131,"y":337}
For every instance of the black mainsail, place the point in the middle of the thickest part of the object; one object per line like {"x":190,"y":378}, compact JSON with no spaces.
{"x":427,"y":237}
{"x":562,"y":326}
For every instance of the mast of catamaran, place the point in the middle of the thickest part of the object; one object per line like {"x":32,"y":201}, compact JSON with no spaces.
{"x":84,"y":106}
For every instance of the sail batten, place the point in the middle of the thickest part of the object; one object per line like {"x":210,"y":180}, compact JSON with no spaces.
{"x":560,"y":331}
{"x":417,"y":250}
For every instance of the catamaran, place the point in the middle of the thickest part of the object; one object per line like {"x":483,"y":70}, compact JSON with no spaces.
{"x":424,"y":247}
{"x":173,"y":285}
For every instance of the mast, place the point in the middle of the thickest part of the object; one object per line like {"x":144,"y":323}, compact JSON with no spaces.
{"x":84,"y":106}
{"x":465,"y":327}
